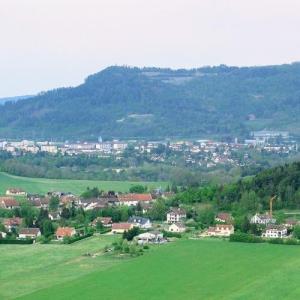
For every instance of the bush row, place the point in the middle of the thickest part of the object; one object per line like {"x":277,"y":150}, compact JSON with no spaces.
{"x":250,"y":238}
{"x":70,"y":240}
{"x":15,"y":242}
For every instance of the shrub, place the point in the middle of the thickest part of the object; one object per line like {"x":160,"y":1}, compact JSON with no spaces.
{"x":70,"y":240}
{"x":16,"y":242}
{"x":171,"y":234}
{"x":291,"y":241}
{"x":245,"y":238}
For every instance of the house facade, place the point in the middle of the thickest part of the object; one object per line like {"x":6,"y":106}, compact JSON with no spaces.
{"x":29,"y":233}
{"x":9,"y":203}
{"x":150,"y":237}
{"x":121,"y":227}
{"x":224,"y":218}
{"x":275,"y":231}
{"x":62,"y":232}
{"x":177,"y":227}
{"x":176,"y":215}
{"x":134,"y":199}
{"x":220,"y":230}
{"x":140,"y":222}
{"x":15,"y":192}
{"x":263,"y":219}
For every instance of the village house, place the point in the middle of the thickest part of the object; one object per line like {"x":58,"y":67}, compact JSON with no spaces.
{"x":45,"y":202}
{"x":290,"y":223}
{"x":2,"y":235}
{"x":54,"y":216}
{"x":15,"y":192}
{"x":29,"y":233}
{"x":68,"y":200}
{"x":262,"y":219}
{"x":140,"y":222}
{"x":93,"y":203}
{"x":176,"y":215}
{"x":36,"y":203}
{"x":177,"y":227}
{"x":12,"y":223}
{"x":63,"y":232}
{"x":121,"y":227}
{"x":275,"y":231}
{"x":154,"y":237}
{"x":223,"y":217}
{"x":134,"y":199}
{"x":105,"y":221}
{"x":220,"y":230}
{"x":8,"y":203}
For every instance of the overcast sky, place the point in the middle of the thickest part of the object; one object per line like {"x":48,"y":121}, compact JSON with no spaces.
{"x":51,"y":43}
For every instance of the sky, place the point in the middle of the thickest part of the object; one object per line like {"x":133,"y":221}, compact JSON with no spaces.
{"x":45,"y":44}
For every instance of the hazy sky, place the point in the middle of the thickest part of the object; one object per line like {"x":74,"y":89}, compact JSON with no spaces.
{"x":51,"y":43}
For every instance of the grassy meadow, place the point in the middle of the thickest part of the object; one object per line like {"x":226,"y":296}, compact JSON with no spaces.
{"x":190,"y":269}
{"x":26,"y":268}
{"x":42,"y":185}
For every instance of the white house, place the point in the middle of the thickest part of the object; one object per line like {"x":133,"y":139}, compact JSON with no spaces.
{"x":121,"y":227}
{"x":220,"y":230}
{"x":15,"y":192}
{"x":2,"y":235}
{"x":176,"y":215}
{"x":134,"y":199}
{"x":223,"y":217}
{"x":29,"y":233}
{"x":177,"y":227}
{"x":140,"y":222}
{"x":150,"y":237}
{"x":275,"y":231}
{"x":262,"y":219}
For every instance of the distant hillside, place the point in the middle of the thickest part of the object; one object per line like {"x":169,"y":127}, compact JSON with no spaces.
{"x":127,"y":102}
{"x":14,"y":99}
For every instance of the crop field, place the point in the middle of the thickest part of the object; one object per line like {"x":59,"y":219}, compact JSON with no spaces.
{"x":41,"y":185}
{"x":186,"y":269}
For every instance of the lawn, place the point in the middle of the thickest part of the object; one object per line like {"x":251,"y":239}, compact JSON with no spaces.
{"x":26,"y":268}
{"x":41,"y":185}
{"x":187,"y":269}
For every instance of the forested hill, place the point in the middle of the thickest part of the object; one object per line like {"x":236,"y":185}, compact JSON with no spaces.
{"x":124,"y":102}
{"x":253,"y":194}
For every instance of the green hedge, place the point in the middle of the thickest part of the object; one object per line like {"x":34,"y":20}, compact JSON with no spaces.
{"x":245,"y":238}
{"x":16,"y":242}
{"x":71,"y":240}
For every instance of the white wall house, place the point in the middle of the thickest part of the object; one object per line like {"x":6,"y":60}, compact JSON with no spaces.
{"x":262,"y":219}
{"x":177,"y":227}
{"x":175,"y":215}
{"x":220,"y":230}
{"x":275,"y":231}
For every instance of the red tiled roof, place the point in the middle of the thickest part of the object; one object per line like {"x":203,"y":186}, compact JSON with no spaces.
{"x":65,"y":231}
{"x":224,"y":216}
{"x":16,"y":221}
{"x":135,"y":197}
{"x":29,"y":231}
{"x":125,"y":226}
{"x":9,"y":201}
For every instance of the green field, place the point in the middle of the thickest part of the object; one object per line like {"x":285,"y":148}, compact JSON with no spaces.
{"x":26,"y":268}
{"x":41,"y":185}
{"x":187,"y":269}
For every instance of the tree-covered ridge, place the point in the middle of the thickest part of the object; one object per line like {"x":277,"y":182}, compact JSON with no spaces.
{"x":150,"y":102}
{"x":252,"y":194}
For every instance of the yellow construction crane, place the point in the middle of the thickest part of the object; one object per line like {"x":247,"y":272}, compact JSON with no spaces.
{"x":271,"y":205}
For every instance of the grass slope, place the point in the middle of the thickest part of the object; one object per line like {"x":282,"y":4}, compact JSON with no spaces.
{"x":42,"y":185}
{"x":192,"y":269}
{"x":25,"y":269}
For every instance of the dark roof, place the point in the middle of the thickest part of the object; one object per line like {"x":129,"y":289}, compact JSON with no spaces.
{"x":139,"y":220}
